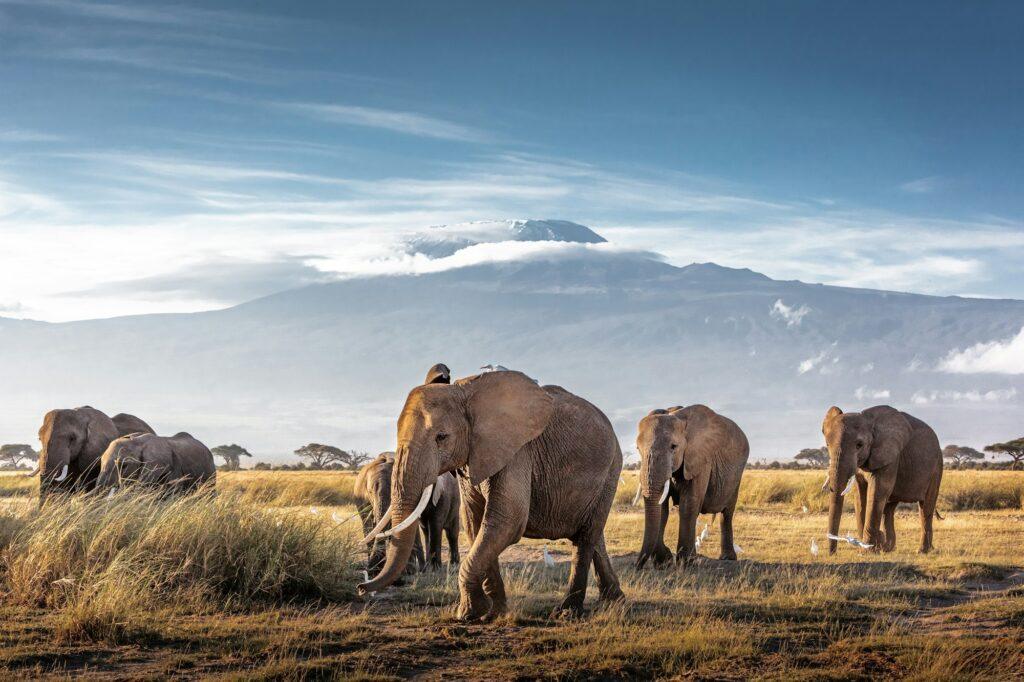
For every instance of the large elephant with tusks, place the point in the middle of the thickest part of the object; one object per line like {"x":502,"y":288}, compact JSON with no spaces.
{"x":533,"y":461}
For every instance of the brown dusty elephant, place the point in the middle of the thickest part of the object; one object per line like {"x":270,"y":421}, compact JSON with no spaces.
{"x":73,"y":441}
{"x":127,"y":424}
{"x":438,"y":374}
{"x":697,"y":456}
{"x":536,"y":462}
{"x":893,"y":457}
{"x":372,"y":491}
{"x":179,"y":463}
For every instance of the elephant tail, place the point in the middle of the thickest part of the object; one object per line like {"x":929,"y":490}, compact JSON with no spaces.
{"x":939,"y":516}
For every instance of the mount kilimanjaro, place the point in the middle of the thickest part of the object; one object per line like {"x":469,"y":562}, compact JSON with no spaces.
{"x":332,"y":362}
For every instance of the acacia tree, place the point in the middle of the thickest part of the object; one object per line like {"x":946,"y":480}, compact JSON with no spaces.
{"x":12,"y":454}
{"x":815,"y":457}
{"x":231,"y":454}
{"x":959,"y":455}
{"x":320,"y":455}
{"x":353,"y":459}
{"x":1012,"y":448}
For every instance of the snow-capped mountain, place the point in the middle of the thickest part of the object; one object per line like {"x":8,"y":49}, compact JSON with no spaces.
{"x":333,"y":362}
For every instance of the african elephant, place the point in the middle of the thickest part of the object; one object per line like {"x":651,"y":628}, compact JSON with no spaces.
{"x":73,"y":440}
{"x":372,"y":491}
{"x":695,"y":456}
{"x":441,"y":515}
{"x":536,"y":462}
{"x":438,"y":374}
{"x":128,"y":424}
{"x":893,"y":457}
{"x":179,"y":463}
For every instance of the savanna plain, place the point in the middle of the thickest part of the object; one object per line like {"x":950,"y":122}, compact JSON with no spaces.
{"x":257,"y":581}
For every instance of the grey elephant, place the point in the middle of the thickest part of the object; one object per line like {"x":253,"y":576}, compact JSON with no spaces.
{"x":441,"y":517}
{"x":892,"y":457}
{"x":178,"y":463}
{"x":372,"y":490}
{"x":73,"y":441}
{"x":127,"y":424}
{"x":696,"y":457}
{"x":536,"y":462}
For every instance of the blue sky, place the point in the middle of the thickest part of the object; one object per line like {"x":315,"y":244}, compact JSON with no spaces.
{"x":863,"y":144}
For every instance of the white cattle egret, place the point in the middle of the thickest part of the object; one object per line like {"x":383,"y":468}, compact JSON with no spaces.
{"x":549,"y":560}
{"x":314,"y":511}
{"x":805,"y":509}
{"x":736,"y":548}
{"x":851,"y":540}
{"x":814,"y":547}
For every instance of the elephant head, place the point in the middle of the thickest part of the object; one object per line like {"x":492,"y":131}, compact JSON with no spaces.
{"x":374,"y":482}
{"x":871,"y":439}
{"x":438,"y":374}
{"x":131,"y":459}
{"x":72,"y":443}
{"x":477,"y":425}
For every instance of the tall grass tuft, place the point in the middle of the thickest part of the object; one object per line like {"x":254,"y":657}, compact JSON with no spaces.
{"x":291,"y":489}
{"x":107,"y":562}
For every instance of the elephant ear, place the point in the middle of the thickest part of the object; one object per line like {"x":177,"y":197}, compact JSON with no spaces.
{"x":506,"y":411}
{"x":100,"y":432}
{"x":703,"y":435}
{"x":890,"y":433}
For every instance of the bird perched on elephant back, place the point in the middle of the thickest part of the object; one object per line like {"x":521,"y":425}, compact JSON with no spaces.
{"x":372,"y":491}
{"x":178,"y":463}
{"x":533,"y":461}
{"x":892,"y":457}
{"x":438,"y":374}
{"x":697,"y":456}
{"x":73,"y":441}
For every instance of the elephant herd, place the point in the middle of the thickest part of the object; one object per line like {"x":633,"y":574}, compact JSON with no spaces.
{"x":84,"y":450}
{"x":539,"y":462}
{"x":508,"y":458}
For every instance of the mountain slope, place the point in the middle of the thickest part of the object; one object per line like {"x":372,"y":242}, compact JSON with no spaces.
{"x":333,"y":362}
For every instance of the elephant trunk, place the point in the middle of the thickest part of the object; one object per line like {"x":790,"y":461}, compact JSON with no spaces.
{"x":398,"y":552}
{"x":835,"y":511}
{"x":652,"y":530}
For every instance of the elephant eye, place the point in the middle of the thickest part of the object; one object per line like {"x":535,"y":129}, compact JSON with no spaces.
{"x":860,"y":444}
{"x":440,"y":437}
{"x":673,"y":446}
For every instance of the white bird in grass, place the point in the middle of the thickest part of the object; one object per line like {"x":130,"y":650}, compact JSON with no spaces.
{"x":736,"y":548}
{"x":805,"y":509}
{"x":314,"y":511}
{"x":814,"y":547}
{"x":704,"y":533}
{"x":850,"y":539}
{"x":549,"y":560}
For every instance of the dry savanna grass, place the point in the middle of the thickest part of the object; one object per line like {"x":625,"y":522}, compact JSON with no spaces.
{"x":257,"y":582}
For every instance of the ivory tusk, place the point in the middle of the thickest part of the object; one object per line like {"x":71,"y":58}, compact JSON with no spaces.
{"x":63,"y":474}
{"x":849,"y":485}
{"x":639,"y":492}
{"x":34,"y":472}
{"x":437,"y":493}
{"x":385,"y":519}
{"x":664,"y":493}
{"x":824,"y":484}
{"x":411,"y":518}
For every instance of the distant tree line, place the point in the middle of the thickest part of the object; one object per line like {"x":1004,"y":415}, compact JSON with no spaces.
{"x":314,"y":456}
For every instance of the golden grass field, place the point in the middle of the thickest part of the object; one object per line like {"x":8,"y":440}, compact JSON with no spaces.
{"x":257,"y":582}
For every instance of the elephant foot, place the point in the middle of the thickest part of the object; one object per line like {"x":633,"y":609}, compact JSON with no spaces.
{"x":611,"y":596}
{"x":434,"y":565}
{"x":468,"y":612}
{"x":497,"y":611}
{"x":727,"y":556}
{"x":566,"y":613}
{"x":925,"y":550}
{"x":661,"y":557}
{"x":684,"y":558}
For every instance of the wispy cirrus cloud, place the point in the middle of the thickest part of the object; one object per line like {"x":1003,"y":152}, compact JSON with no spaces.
{"x":405,"y":122}
{"x":922,"y":185}
{"x":20,"y":135}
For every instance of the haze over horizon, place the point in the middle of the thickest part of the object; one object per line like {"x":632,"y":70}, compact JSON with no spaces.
{"x":181,"y":158}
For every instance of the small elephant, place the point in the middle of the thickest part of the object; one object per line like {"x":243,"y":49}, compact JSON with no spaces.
{"x":441,"y":515}
{"x":438,"y":374}
{"x":372,"y":491}
{"x":127,"y":424}
{"x":533,"y":461}
{"x":696,"y":457}
{"x":892,"y":457}
{"x":179,"y":463}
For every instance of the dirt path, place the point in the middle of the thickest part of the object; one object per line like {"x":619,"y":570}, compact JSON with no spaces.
{"x":944,"y":615}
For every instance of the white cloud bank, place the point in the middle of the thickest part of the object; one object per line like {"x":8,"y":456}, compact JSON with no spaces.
{"x":792,"y":315}
{"x":864,"y":392}
{"x":1001,"y":395}
{"x":995,"y":357}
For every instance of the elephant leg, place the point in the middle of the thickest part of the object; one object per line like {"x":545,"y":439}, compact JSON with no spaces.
{"x":879,"y":489}
{"x":890,"y":526}
{"x":927,"y":510}
{"x":607,"y":582}
{"x":728,"y":544}
{"x":502,"y":523}
{"x":494,"y":588}
{"x":583,"y":556}
{"x":860,"y":505}
{"x":452,"y":533}
{"x":662,"y":554}
{"x":691,"y":499}
{"x":434,"y":543}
